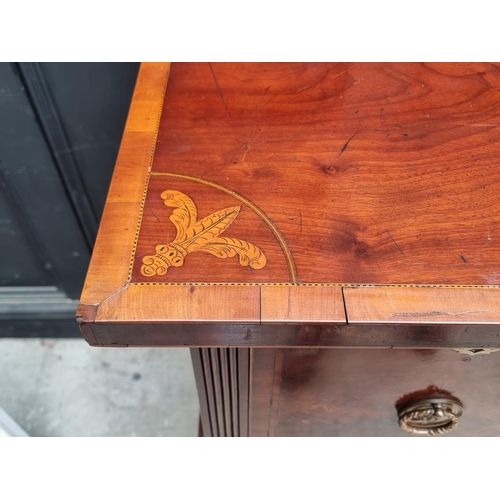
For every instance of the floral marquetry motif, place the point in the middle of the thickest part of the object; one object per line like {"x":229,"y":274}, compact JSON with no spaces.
{"x":203,"y":235}
{"x":356,"y":208}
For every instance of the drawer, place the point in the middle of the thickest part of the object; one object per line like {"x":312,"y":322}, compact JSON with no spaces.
{"x":354,"y":392}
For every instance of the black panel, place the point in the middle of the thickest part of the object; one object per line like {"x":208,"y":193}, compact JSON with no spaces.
{"x":93,"y":101}
{"x":55,"y":135}
{"x":21,"y":264}
{"x":40,"y":328}
{"x":60,"y":129}
{"x":32,"y":177}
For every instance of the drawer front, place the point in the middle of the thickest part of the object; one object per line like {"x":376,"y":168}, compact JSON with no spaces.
{"x":354,"y":392}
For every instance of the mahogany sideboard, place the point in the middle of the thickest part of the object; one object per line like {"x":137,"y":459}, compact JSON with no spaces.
{"x":324,"y":237}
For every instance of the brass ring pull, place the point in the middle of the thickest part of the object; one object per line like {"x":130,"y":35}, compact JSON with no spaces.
{"x":429,"y":417}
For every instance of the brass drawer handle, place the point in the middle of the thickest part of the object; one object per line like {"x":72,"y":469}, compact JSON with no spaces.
{"x":429,"y":417}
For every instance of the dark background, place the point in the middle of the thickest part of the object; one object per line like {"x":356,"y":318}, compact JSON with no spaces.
{"x":60,"y":131}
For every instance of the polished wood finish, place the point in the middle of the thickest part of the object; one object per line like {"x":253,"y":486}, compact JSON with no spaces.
{"x":287,"y":122}
{"x":466,"y":305}
{"x":302,"y":305}
{"x":222,"y":377}
{"x":302,"y":208}
{"x":109,"y":267}
{"x":290,"y":335}
{"x":182,"y":304}
{"x":374,"y":173}
{"x":354,"y":392}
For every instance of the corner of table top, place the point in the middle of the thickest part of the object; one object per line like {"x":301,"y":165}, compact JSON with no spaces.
{"x":110,"y":298}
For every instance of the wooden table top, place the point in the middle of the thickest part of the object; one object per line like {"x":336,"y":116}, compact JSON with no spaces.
{"x":304,"y":193}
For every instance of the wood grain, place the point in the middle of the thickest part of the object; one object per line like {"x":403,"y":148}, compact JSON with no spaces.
{"x":261,"y":391}
{"x":291,"y":304}
{"x":234,"y":397}
{"x":436,"y":336}
{"x":365,"y":176}
{"x":222,"y":382}
{"x":218,"y":392}
{"x":157,"y":228}
{"x":422,"y":305}
{"x":182,"y":304}
{"x":108,"y":270}
{"x":374,"y":173}
{"x":243,"y":356}
{"x":131,"y":171}
{"x":335,"y":155}
{"x":109,"y":266}
{"x":353,"y":392}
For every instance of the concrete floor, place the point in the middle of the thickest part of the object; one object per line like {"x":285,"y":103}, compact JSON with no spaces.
{"x":66,"y":388}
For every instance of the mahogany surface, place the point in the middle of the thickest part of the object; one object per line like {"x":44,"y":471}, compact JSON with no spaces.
{"x":369,"y":193}
{"x":374,"y":173}
{"x":273,"y":217}
{"x":353,"y":392}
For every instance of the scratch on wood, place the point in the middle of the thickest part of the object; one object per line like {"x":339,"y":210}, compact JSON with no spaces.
{"x":399,"y":248}
{"x":277,"y":95}
{"x":300,"y":214}
{"x":218,"y":88}
{"x":340,"y":74}
{"x":151,"y":210}
{"x":463,"y":258}
{"x":304,"y":88}
{"x":116,"y":292}
{"x":436,"y":313}
{"x":245,"y":147}
{"x":347,"y":144}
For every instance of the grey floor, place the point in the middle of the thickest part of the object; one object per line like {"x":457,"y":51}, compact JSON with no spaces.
{"x":66,"y":388}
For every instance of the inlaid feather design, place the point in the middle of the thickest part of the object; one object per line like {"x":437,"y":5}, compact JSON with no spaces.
{"x":250,"y":255}
{"x":203,"y":235}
